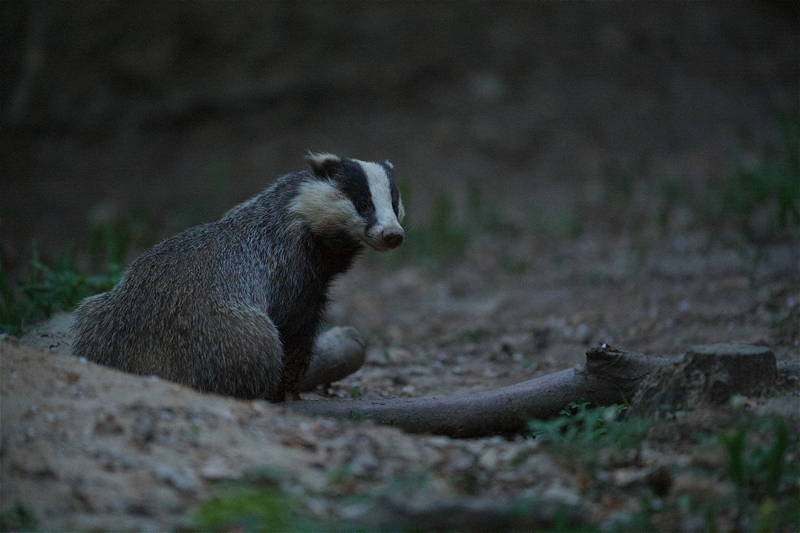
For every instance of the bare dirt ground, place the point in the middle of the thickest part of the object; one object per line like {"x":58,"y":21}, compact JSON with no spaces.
{"x":600,"y":139}
{"x":91,"y":447}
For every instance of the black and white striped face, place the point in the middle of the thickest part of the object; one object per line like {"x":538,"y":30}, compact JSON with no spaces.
{"x":355,"y":197}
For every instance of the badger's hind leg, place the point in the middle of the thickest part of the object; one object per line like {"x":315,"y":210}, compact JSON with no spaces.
{"x":237,"y":352}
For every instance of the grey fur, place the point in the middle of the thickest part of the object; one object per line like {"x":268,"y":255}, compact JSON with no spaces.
{"x":231,"y":307}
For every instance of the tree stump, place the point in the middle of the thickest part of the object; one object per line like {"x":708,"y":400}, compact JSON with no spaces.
{"x":708,"y":374}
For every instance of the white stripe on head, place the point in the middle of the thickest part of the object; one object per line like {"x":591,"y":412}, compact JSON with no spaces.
{"x":381,"y":193}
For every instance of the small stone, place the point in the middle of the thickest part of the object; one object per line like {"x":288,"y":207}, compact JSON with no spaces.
{"x":488,"y":460}
{"x":562,"y":495}
{"x":216,"y":467}
{"x":377,"y":356}
{"x":400,"y":356}
{"x":363,"y":463}
{"x":179,"y":476}
{"x":626,"y":477}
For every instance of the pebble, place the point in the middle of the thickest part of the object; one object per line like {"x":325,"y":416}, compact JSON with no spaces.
{"x":561,"y":494}
{"x":216,"y":467}
{"x":488,"y":460}
{"x":179,"y":476}
{"x":363,"y":463}
{"x":400,"y":356}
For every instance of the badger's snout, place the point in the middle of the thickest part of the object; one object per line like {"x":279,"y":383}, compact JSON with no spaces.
{"x":392,"y":237}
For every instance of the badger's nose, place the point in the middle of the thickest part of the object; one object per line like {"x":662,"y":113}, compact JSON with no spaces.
{"x":392,"y":237}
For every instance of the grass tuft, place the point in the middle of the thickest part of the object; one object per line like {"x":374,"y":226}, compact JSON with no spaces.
{"x":44,"y":290}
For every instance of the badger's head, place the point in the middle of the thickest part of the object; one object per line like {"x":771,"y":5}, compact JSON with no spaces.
{"x":352,"y":197}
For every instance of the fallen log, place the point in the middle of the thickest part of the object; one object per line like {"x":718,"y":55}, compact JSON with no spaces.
{"x":609,"y":376}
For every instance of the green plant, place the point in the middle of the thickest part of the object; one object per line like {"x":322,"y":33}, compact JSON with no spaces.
{"x":473,"y":336}
{"x":484,"y":216}
{"x":758,"y":470}
{"x":109,"y":242}
{"x":254,"y":502}
{"x":245,"y":509}
{"x":583,"y":426}
{"x":355,"y":391}
{"x":672,"y":195}
{"x":448,"y":238}
{"x":773,"y":185}
{"x":44,"y":290}
{"x":761,"y":464}
{"x":359,"y":415}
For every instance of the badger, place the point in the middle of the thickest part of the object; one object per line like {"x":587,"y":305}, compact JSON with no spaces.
{"x":234,"y":306}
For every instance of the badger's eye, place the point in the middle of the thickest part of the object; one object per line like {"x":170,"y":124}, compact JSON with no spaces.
{"x":363,"y":206}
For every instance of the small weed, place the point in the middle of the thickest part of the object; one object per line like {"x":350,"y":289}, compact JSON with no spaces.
{"x":44,"y":291}
{"x":448,"y":238}
{"x":734,"y":445}
{"x":355,"y":391}
{"x":359,"y":415}
{"x":109,"y":242}
{"x":672,"y":194}
{"x":772,"y":187}
{"x":582,"y":426}
{"x":245,"y":509}
{"x":758,"y":470}
{"x":473,"y":336}
{"x":484,"y":216}
{"x":337,"y":478}
{"x":761,"y":465}
{"x":112,"y":235}
{"x":254,"y":502}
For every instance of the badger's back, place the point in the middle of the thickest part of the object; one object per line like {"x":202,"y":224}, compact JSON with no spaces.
{"x":211,"y":290}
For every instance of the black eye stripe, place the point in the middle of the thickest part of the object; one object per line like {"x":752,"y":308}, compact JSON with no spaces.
{"x":365,"y":206}
{"x":354,"y":184}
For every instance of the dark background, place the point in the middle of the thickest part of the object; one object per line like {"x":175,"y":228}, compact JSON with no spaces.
{"x":162,"y":115}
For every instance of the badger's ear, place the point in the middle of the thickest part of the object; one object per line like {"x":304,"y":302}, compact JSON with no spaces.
{"x":324,"y":165}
